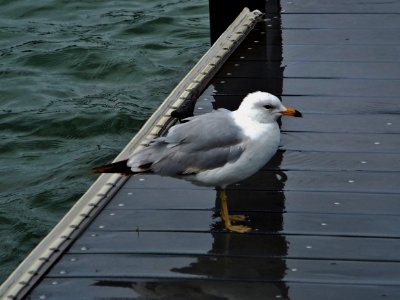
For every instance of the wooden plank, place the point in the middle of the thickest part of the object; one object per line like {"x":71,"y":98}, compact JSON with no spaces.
{"x":311,"y":69}
{"x":251,"y":245}
{"x":330,"y":181}
{"x":334,"y":161}
{"x":341,"y":6}
{"x":212,"y":267}
{"x":262,"y":222}
{"x":170,"y":198}
{"x":322,"y":36}
{"x":316,"y":104}
{"x":145,"y":181}
{"x":342,"y":21}
{"x":329,"y":53}
{"x":376,"y":123}
{"x":257,"y":201}
{"x":117,"y":288}
{"x":296,"y":180}
{"x":308,"y":87}
{"x":342,"y":87}
{"x":341,"y":142}
{"x":383,"y":104}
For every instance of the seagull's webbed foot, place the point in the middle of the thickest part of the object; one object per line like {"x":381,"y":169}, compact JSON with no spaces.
{"x":237,"y":218}
{"x":238,"y":228}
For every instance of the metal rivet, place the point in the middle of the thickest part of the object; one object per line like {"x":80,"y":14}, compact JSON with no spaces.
{"x":242,"y":57}
{"x":42,"y":297}
{"x":199,"y":108}
{"x":83,"y":248}
{"x":363,"y":162}
{"x":250,"y":48}
{"x":63,"y":272}
{"x":257,"y":41}
{"x":54,"y":282}
{"x":350,"y":181}
{"x":336,"y":203}
{"x":324,"y":224}
{"x":141,"y":179}
{"x":229,"y":74}
{"x":222,"y":81}
{"x":130,"y":193}
{"x":308,"y":247}
{"x":72,"y":259}
{"x":388,"y":124}
{"x":101,"y":226}
{"x":377,"y":143}
{"x":112,"y":214}
{"x":294,"y":270}
{"x":121,"y":204}
{"x":236,"y":65}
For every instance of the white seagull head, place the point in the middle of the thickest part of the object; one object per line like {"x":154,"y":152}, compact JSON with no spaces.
{"x":265,"y":108}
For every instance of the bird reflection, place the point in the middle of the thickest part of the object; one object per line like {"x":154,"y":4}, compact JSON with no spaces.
{"x":259,"y":255}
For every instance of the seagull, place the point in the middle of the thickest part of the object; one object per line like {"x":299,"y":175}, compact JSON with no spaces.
{"x":214,"y":149}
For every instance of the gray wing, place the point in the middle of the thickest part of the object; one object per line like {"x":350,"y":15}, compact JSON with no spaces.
{"x":205,"y":142}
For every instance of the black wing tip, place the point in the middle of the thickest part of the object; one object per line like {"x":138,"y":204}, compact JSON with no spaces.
{"x":120,"y":167}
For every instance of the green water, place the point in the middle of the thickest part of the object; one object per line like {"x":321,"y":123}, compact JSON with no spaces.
{"x":77,"y":80}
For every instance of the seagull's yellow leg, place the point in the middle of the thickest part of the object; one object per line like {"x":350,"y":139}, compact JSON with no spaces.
{"x":227,"y":219}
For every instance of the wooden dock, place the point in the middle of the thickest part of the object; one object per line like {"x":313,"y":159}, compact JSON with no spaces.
{"x":325,"y":211}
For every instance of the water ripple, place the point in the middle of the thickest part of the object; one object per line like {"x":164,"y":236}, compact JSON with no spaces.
{"x":77,"y":80}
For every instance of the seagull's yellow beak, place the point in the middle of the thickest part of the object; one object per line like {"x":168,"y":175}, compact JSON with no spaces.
{"x":291,"y":112}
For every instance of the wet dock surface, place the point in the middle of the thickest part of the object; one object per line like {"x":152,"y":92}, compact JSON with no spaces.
{"x":324,"y":212}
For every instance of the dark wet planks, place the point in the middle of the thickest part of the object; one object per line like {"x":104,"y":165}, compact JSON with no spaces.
{"x":327,"y":224}
{"x":372,"y":20}
{"x":258,"y":201}
{"x":303,"y":68}
{"x":212,"y":267}
{"x":347,"y":181}
{"x":312,"y":87}
{"x":341,"y":142}
{"x":111,"y":288}
{"x":379,"y":123}
{"x":328,"y":53}
{"x":328,"y":36}
{"x":252,"y":245}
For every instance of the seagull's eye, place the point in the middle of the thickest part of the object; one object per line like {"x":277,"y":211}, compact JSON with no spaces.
{"x":268,"y":106}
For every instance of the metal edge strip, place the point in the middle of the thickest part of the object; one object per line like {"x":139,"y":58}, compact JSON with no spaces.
{"x":60,"y":237}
